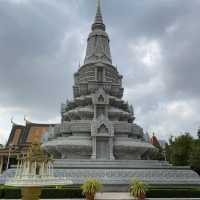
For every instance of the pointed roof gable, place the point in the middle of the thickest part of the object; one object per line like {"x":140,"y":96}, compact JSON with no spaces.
{"x":15,"y":135}
{"x":33,"y":132}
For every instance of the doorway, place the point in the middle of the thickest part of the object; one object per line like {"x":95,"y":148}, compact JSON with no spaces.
{"x":102,"y":148}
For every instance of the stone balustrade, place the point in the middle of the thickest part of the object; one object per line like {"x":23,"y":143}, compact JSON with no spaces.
{"x":37,"y":181}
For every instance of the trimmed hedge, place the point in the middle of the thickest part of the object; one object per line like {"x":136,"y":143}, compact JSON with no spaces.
{"x":70,"y":193}
{"x":173,"y":193}
{"x":11,"y":193}
{"x":1,"y":194}
{"x":47,"y":193}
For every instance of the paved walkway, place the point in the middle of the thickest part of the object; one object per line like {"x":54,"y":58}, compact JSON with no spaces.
{"x":126,"y":199}
{"x":131,"y":199}
{"x":126,"y":196}
{"x":122,"y":196}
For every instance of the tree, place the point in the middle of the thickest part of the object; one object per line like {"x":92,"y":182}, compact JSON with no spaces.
{"x":1,"y":146}
{"x":90,"y":188}
{"x":138,"y":189}
{"x":179,"y":150}
{"x":184,"y":150}
{"x":198,"y":133}
{"x":156,"y":154}
{"x":195,"y":156}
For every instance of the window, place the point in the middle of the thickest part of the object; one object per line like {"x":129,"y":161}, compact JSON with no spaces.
{"x":100,"y":74}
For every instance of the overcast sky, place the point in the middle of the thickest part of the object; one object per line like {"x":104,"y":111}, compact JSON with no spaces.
{"x":154,"y":43}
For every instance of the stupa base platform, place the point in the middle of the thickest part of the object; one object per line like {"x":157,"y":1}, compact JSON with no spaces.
{"x":116,"y":175}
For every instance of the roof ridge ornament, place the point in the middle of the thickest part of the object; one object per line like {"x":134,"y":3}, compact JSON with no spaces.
{"x":27,"y":121}
{"x":12,"y":121}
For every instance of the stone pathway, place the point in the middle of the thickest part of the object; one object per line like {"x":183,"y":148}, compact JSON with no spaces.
{"x":127,"y":199}
{"x":121,"y":196}
{"x":126,"y":196}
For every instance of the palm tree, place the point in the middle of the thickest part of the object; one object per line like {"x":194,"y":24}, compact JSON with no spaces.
{"x":138,"y":189}
{"x":90,"y":188}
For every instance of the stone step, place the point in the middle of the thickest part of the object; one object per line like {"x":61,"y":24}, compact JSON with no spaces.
{"x":126,"y":196}
{"x":105,"y":164}
{"x":109,"y":161}
{"x":113,"y":196}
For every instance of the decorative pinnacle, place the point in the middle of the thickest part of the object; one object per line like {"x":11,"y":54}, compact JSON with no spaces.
{"x":98,"y":18}
{"x":98,"y":23}
{"x":98,"y":7}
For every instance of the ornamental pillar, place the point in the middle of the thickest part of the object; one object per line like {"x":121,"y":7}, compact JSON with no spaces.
{"x":111,"y":148}
{"x":94,"y":152}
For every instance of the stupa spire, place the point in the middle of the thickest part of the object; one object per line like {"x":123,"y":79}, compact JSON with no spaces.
{"x":98,"y":48}
{"x":98,"y":22}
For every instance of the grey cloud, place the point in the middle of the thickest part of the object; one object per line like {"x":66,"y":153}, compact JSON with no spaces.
{"x":34,"y":61}
{"x":41,"y":43}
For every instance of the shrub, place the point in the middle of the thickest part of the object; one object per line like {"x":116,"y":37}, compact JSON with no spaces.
{"x":138,"y":189}
{"x":90,"y":188}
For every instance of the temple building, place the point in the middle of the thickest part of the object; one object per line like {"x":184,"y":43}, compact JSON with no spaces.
{"x":154,"y":141}
{"x":20,"y":138}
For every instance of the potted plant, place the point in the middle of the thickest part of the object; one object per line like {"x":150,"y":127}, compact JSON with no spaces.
{"x":138,"y":189}
{"x":90,"y":188}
